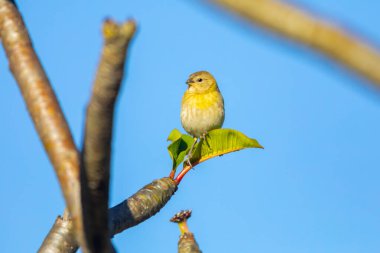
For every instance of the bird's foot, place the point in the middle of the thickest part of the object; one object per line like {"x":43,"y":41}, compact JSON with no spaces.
{"x":188,"y":162}
{"x":204,"y":138}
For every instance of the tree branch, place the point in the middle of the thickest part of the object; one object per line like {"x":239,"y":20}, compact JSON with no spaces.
{"x":96,"y":153}
{"x":141,"y":206}
{"x":43,"y":108}
{"x":186,"y":242}
{"x":300,"y":26}
{"x":61,"y":237}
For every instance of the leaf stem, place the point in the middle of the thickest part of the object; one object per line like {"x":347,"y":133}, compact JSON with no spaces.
{"x":183,"y":172}
{"x":172,"y":174}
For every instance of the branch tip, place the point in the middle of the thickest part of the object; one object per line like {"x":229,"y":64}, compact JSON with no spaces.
{"x":181,"y":216}
{"x":112,"y":29}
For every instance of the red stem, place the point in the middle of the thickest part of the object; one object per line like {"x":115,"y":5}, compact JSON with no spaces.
{"x":183,"y":173}
{"x":172,"y":174}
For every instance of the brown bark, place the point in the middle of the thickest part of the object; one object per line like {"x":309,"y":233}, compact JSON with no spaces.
{"x":61,"y":237}
{"x":96,"y":155}
{"x":139,"y":207}
{"x":295,"y":24}
{"x":188,"y":244}
{"x":43,"y":108}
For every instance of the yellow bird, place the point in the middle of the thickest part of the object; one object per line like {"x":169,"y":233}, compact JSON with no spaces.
{"x":202,"y":106}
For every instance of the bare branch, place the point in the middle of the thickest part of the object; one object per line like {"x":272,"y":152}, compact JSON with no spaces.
{"x":96,"y":154}
{"x":300,"y":26}
{"x":141,"y":206}
{"x":186,"y":242}
{"x":43,"y":107}
{"x":61,"y":237}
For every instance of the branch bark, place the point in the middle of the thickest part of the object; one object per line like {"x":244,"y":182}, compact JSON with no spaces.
{"x":43,"y":108}
{"x":295,"y":24}
{"x":188,"y":244}
{"x":139,"y":207}
{"x":96,"y":153}
{"x":61,"y":237}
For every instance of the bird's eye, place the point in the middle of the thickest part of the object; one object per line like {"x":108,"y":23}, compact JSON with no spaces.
{"x":199,"y":80}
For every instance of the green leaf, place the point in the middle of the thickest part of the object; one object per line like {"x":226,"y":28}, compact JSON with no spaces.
{"x":222,"y":141}
{"x":216,"y":143}
{"x":174,"y":135}
{"x":179,"y":148}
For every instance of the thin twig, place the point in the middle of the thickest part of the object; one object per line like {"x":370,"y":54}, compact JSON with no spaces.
{"x":96,"y":153}
{"x":141,"y":206}
{"x":43,"y":107}
{"x":300,"y":26}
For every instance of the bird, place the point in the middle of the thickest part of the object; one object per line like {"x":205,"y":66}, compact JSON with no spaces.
{"x":202,"y":108}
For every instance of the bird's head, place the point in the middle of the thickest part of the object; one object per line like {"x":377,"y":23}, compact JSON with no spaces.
{"x":201,"y":82}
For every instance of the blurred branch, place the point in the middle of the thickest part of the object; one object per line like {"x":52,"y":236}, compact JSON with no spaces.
{"x":300,"y":26}
{"x":43,"y":107}
{"x":141,"y":206}
{"x":96,"y":154}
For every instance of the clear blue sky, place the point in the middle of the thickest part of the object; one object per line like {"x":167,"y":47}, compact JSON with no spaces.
{"x":315,"y":187}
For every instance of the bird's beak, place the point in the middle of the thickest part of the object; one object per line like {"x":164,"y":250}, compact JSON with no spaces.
{"x":189,"y":81}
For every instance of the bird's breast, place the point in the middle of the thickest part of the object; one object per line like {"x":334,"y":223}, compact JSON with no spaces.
{"x":201,"y":113}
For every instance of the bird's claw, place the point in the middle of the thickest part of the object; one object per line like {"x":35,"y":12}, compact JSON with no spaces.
{"x":204,"y":137}
{"x":188,"y":162}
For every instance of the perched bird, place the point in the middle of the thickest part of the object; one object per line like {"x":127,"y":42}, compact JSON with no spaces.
{"x":202,"y":106}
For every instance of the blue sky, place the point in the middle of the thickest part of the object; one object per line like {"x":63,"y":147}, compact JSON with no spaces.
{"x":315,"y":187}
